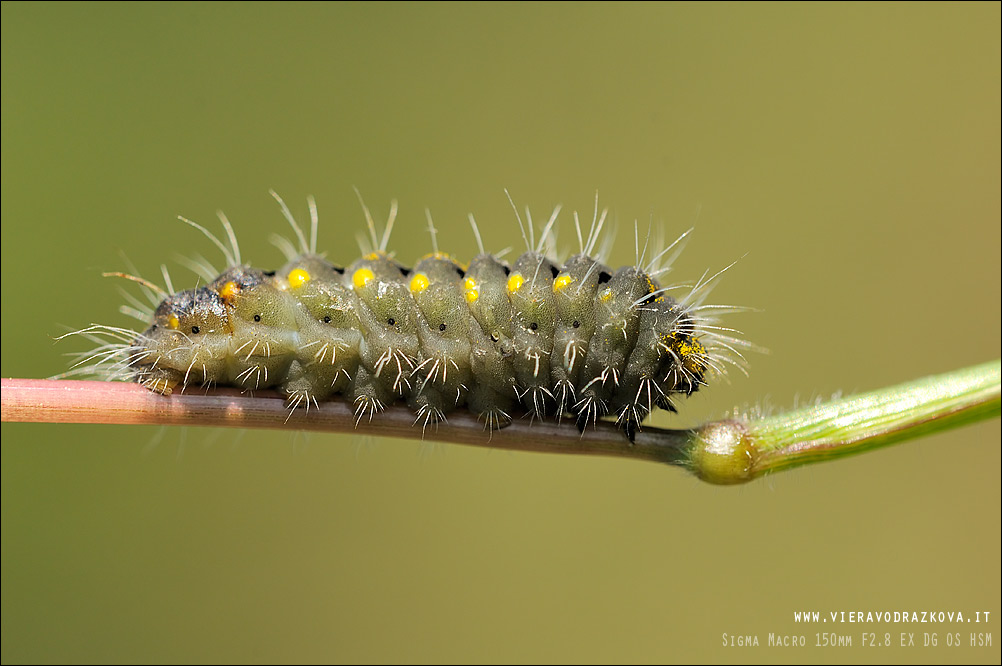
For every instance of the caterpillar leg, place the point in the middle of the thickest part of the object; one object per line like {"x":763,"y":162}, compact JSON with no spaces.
{"x":629,"y":420}
{"x":369,"y":395}
{"x":491,"y":407}
{"x":300,"y":399}
{"x":160,"y":380}
{"x":563,"y":393}
{"x":594,"y":401}
{"x":430,"y":407}
{"x":590,"y":408}
{"x":537,"y":400}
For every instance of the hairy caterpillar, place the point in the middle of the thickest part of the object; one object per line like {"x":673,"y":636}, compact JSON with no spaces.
{"x":539,"y":336}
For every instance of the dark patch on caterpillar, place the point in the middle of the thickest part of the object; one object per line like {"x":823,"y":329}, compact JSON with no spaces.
{"x":540,"y":337}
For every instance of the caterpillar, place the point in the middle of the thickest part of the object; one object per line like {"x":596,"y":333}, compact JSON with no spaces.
{"x":547,"y":339}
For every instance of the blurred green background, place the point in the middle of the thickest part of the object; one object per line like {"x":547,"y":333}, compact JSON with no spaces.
{"x":849,"y":154}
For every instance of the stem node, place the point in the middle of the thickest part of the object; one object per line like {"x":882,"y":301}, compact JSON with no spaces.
{"x":723,"y":453}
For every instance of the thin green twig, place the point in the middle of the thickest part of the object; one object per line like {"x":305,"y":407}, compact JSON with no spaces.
{"x":845,"y":427}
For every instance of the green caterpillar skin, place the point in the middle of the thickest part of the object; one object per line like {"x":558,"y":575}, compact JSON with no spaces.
{"x":574,"y":290}
{"x":536,"y":338}
{"x":444,"y":370}
{"x":495,"y":393}
{"x":530,"y":289}
{"x":329,"y":354}
{"x":263,"y":337}
{"x":617,"y":320}
{"x":388,"y":318}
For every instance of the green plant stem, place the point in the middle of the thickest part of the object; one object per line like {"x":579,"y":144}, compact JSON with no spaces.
{"x":721,"y":452}
{"x":737,"y":451}
{"x":863,"y":422}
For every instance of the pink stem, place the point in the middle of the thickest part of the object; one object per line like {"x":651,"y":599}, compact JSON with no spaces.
{"x":64,"y":401}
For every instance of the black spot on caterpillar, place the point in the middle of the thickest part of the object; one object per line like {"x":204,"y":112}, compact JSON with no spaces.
{"x":542,"y":337}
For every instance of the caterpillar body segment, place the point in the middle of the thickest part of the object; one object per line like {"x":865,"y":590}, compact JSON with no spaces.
{"x":617,"y":322}
{"x":330,"y":334}
{"x":537,"y":338}
{"x":494,"y":393}
{"x":485,"y":288}
{"x":264,"y":326}
{"x":389,"y":320}
{"x":530,"y":290}
{"x":443,"y":372}
{"x":646,"y":383}
{"x":574,"y":291}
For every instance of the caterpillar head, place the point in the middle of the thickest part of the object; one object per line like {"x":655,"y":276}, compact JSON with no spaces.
{"x":186,"y":344}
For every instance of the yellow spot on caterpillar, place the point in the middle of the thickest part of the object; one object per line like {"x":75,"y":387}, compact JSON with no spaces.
{"x":298,"y":277}
{"x":229,"y":290}
{"x":561,"y":282}
{"x":173,"y":322}
{"x":692,"y":354}
{"x":419,"y":283}
{"x":361,"y":277}
{"x":515,"y":282}
{"x":605,"y":295}
{"x":372,"y":256}
{"x":472,"y":290}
